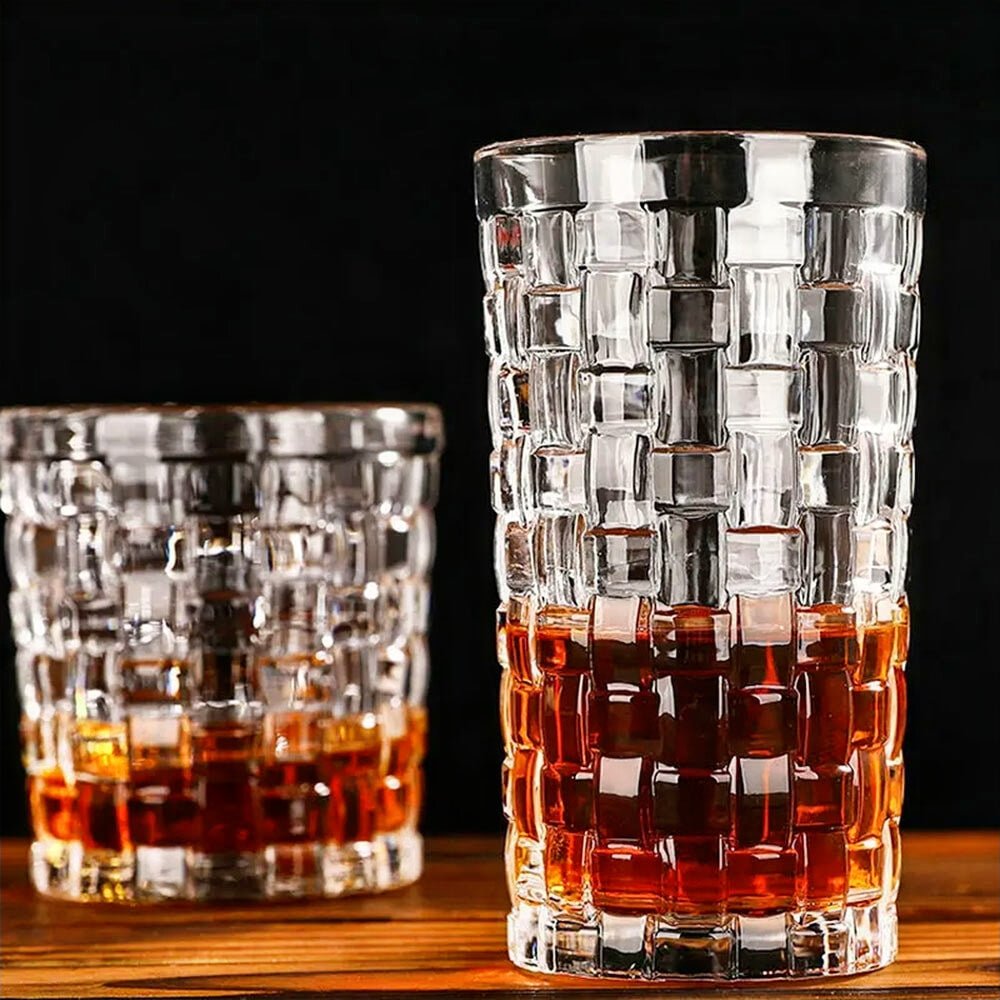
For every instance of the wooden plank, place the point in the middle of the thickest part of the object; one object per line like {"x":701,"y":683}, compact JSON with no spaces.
{"x":444,"y":934}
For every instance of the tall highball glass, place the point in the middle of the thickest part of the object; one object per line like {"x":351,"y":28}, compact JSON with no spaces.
{"x":701,"y":395}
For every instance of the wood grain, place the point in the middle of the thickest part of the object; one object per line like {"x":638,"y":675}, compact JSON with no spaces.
{"x":446,"y":934}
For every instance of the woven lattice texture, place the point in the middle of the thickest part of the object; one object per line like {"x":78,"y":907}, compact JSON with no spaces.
{"x":702,"y":470}
{"x":220,"y":620}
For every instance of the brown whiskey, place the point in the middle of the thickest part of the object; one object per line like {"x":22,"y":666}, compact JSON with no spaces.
{"x":235,"y":787}
{"x":695,"y":760}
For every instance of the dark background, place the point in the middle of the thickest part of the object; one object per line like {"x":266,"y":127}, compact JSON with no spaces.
{"x":225,"y":202}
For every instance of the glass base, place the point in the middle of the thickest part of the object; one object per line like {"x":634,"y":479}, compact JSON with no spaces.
{"x":65,"y":870}
{"x":860,"y":938}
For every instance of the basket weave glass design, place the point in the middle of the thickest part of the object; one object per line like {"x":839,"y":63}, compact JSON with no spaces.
{"x":220,"y":618}
{"x":701,"y":395}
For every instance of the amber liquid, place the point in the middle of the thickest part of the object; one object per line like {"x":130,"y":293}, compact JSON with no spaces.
{"x":233,"y":787}
{"x":696,"y":762}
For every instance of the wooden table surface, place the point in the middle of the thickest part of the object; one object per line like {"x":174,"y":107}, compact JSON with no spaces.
{"x":446,"y":934}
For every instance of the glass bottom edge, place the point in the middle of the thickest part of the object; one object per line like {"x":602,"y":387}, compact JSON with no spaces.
{"x":788,"y":945}
{"x":66,"y":870}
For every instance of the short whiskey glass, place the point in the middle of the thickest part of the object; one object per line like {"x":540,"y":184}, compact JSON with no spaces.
{"x":220,"y":617}
{"x":701,"y":396}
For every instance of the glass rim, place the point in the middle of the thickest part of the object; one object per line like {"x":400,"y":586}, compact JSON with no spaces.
{"x":692,"y":170}
{"x":528,"y":144}
{"x":236,"y":431}
{"x":34,"y":410}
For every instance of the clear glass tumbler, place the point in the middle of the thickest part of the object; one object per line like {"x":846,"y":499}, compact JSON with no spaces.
{"x":701,"y":396}
{"x":220,"y":618}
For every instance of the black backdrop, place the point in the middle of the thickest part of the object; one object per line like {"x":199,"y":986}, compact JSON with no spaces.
{"x":274,"y":201}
